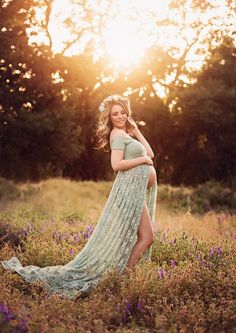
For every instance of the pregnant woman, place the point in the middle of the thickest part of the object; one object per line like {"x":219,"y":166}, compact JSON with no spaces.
{"x":117,"y":126}
{"x":124,"y":232}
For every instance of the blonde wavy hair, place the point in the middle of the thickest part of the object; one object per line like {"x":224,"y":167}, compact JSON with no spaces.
{"x":105,"y":126}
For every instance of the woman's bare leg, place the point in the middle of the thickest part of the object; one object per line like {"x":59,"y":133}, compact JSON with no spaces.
{"x":145,"y":238}
{"x":145,"y":231}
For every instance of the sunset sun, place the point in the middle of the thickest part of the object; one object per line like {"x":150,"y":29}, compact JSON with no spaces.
{"x":121,"y":31}
{"x":124,"y":43}
{"x":128,"y":30}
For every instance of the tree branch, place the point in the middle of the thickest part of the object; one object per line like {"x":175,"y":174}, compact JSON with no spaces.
{"x":181,"y":61}
{"x":76,"y":39}
{"x":48,"y":4}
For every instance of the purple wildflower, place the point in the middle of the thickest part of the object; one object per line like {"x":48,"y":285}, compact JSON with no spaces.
{"x":57,"y":236}
{"x":161,"y":273}
{"x":128,"y":307}
{"x":71,"y":252}
{"x":203,"y":262}
{"x":199,"y":256}
{"x":76,"y":237}
{"x":7,"y":315}
{"x":21,"y":328}
{"x":31,"y":228}
{"x":173,"y":241}
{"x":85,"y":235}
{"x":24,"y":232}
{"x":173,"y":263}
{"x":88,"y":231}
{"x":219,"y":251}
{"x":211,"y":252}
{"x":164,"y":237}
{"x":127,"y":311}
{"x":139,"y":305}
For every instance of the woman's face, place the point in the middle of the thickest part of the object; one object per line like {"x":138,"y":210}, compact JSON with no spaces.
{"x":118,"y":116}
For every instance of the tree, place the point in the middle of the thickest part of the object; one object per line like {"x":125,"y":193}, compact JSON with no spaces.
{"x":205,"y":121}
{"x":38,"y":134}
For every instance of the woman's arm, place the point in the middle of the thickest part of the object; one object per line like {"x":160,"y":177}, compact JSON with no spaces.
{"x":141,"y":138}
{"x":118,"y":163}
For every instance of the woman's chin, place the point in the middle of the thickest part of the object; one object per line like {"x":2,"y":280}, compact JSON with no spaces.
{"x":120,"y":126}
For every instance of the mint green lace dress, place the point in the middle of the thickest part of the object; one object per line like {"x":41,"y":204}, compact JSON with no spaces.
{"x":113,"y":238}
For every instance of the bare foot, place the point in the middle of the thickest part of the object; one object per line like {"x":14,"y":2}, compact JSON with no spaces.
{"x":128,"y":270}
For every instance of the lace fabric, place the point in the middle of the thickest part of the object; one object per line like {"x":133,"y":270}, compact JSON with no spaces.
{"x":110,"y":244}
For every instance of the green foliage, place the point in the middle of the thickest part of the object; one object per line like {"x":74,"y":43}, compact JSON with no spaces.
{"x":200,"y":199}
{"x":40,"y":134}
{"x":205,"y":120}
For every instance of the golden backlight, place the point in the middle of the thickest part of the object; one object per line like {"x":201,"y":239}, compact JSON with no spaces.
{"x":131,"y":30}
{"x":127,"y":30}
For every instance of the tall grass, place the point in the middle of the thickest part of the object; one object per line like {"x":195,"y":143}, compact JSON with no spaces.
{"x":188,"y":286}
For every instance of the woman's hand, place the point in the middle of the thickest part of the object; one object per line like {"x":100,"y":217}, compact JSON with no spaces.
{"x":147,"y":160}
{"x":133,"y":125}
{"x":135,"y":131}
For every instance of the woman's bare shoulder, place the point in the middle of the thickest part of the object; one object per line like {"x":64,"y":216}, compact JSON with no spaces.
{"x":117,"y":132}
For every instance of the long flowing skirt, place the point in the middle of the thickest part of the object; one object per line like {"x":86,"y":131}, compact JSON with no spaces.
{"x":110,"y":244}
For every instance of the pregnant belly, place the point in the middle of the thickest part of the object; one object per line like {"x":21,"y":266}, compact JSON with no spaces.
{"x":152,"y":177}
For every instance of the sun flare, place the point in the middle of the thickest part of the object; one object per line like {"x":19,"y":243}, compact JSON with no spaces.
{"x":123,"y":42}
{"x":128,"y":29}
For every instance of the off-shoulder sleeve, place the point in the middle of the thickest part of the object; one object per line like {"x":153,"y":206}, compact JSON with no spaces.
{"x":118,"y":143}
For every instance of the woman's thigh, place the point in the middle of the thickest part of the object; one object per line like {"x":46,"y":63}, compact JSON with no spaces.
{"x":145,"y":230}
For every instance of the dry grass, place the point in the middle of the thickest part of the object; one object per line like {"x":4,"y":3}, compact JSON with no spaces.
{"x":189,"y":286}
{"x":211,"y":225}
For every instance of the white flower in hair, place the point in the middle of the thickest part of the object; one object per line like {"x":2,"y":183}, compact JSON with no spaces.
{"x":101,"y":107}
{"x":111,"y":98}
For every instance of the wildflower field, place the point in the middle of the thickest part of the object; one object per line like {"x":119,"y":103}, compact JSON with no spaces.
{"x":188,"y":286}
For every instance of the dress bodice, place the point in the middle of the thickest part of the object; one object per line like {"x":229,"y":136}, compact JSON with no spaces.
{"x":132,"y":148}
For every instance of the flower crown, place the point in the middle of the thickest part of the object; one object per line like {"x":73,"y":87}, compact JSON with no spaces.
{"x":112,"y":98}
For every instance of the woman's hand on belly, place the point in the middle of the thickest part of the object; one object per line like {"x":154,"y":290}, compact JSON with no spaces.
{"x":148,"y":160}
